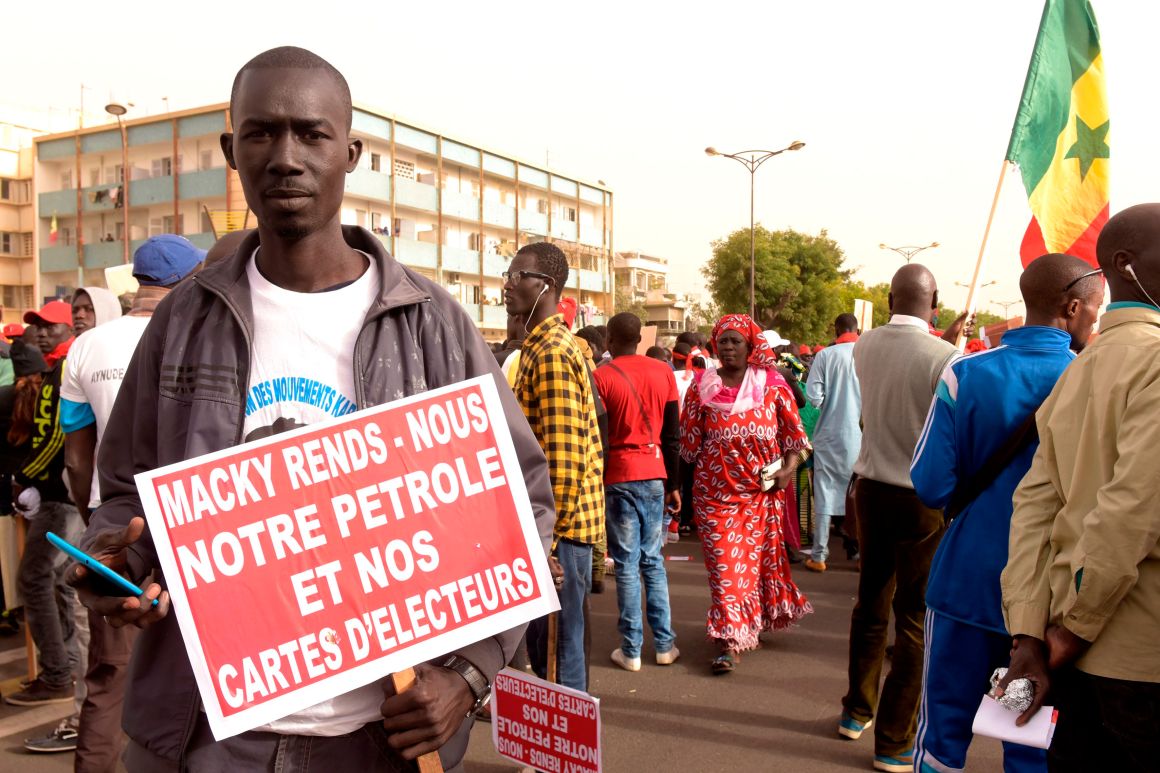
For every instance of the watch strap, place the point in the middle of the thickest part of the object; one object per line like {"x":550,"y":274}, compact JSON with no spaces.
{"x":476,"y":681}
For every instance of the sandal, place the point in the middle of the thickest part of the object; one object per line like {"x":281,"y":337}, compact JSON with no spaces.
{"x":723,"y":664}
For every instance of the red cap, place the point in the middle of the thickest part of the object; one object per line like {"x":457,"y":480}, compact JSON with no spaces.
{"x":52,"y":313}
{"x":818,"y":348}
{"x":568,"y":308}
{"x":803,"y":349}
{"x":12,"y":330}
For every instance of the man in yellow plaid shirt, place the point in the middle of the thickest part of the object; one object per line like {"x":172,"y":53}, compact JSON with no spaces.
{"x":553,"y":387}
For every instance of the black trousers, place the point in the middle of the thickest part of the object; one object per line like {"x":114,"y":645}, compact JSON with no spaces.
{"x":1104,"y":724}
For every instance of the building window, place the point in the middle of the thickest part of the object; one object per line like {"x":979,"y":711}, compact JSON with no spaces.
{"x":7,"y":242}
{"x":66,"y":181}
{"x":162,"y":167}
{"x":206,"y":161}
{"x":376,"y":162}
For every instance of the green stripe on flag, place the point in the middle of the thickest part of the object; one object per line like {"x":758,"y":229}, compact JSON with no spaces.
{"x":1067,"y":42}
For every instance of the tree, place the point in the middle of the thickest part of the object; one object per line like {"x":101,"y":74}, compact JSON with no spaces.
{"x":798,"y":283}
{"x":878,"y":295}
{"x":624,"y":301}
{"x":947,"y":315}
{"x":704,"y":315}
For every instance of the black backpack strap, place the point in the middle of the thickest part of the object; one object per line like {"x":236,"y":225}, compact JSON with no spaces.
{"x":1023,"y":436}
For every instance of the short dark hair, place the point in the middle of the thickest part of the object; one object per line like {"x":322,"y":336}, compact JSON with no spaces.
{"x":594,"y":337}
{"x":624,"y":328}
{"x":846,"y":322}
{"x":690,"y":337}
{"x":657,"y":353}
{"x":551,"y":260}
{"x":292,"y":57}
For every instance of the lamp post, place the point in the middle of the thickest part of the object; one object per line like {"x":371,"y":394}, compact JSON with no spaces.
{"x":907,"y":252}
{"x":980,"y":287}
{"x":1006,"y":305}
{"x":752,"y":160}
{"x":117,"y":109}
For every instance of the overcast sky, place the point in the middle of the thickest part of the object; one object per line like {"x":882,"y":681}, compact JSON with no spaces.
{"x":905,"y":105}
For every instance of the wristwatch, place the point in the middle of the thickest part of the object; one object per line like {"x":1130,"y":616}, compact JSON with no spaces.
{"x":476,"y":681}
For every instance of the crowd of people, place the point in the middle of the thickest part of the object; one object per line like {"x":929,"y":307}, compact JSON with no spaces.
{"x":1001,"y":505}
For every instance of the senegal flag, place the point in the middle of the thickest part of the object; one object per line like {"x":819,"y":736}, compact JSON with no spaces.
{"x":1060,"y":138}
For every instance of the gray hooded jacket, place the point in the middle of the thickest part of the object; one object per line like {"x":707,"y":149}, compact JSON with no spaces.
{"x":184,"y":396}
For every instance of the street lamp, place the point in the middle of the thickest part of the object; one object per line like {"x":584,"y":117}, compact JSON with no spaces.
{"x":118,"y":109}
{"x":754,"y":161}
{"x":907,"y":252}
{"x":1006,"y":305}
{"x":980,"y":287}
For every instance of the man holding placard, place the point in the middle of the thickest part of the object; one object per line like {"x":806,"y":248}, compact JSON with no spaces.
{"x":236,"y":355}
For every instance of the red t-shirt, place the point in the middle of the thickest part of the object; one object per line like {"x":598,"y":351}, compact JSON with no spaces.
{"x":633,"y":453}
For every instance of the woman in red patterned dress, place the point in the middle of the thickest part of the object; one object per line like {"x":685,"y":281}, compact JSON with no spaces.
{"x":739,"y":418}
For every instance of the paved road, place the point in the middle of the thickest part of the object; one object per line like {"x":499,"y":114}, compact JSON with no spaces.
{"x":778,"y":711}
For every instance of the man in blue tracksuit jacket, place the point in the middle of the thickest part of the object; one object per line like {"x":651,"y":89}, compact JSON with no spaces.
{"x":980,"y":402}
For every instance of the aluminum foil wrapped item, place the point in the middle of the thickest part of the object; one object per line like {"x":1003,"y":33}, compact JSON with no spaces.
{"x":1017,"y":696}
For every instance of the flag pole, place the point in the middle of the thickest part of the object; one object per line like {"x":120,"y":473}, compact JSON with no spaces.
{"x":982,"y":251}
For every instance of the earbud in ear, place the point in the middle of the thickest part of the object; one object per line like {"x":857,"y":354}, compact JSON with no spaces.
{"x":1131,"y":271}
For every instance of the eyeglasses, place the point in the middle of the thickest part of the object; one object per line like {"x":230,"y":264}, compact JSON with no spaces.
{"x":1082,"y":277}
{"x":515,"y":277}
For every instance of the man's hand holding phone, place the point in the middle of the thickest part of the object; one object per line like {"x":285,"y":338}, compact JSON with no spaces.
{"x":111,"y":549}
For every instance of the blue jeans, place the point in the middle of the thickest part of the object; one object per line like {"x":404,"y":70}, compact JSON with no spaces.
{"x":820,"y":550}
{"x":634,"y":513}
{"x":571,"y":662}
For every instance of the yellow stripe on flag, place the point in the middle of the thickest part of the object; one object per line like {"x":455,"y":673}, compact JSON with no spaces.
{"x":1062,"y":202}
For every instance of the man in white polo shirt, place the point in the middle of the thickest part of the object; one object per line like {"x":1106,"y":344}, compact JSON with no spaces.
{"x":96,"y":365}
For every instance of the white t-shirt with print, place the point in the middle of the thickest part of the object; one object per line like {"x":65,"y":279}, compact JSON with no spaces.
{"x":302,"y":372}
{"x":94,"y":370}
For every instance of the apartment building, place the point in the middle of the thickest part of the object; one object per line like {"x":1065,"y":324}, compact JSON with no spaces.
{"x":17,"y":223}
{"x":644,"y":279}
{"x":451,"y":210}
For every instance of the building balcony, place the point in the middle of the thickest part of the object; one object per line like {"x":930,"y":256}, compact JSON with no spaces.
{"x":460,"y":205}
{"x":206,"y":184}
{"x":591,"y":236}
{"x":101,"y":254}
{"x":369,"y":184}
{"x":533,"y":222}
{"x":415,"y":253}
{"x":409,"y":193}
{"x":494,"y":265}
{"x":59,"y":203}
{"x":499,"y":215}
{"x":472,"y":310}
{"x":495,"y":317}
{"x":564,"y":229}
{"x":593,"y":281}
{"x":462,"y":260}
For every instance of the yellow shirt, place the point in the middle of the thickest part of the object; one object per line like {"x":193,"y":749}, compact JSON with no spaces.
{"x":1083,"y":541}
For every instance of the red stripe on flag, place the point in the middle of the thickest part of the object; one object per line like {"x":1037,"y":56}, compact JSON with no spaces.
{"x":1085,"y":246}
{"x":1033,"y":245}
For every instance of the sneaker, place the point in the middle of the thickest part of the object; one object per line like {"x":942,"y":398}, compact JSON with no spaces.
{"x":674,"y":534}
{"x":37,"y":693}
{"x":668,"y":658}
{"x":815,"y":566}
{"x":848,"y":727}
{"x":898,"y":763}
{"x":62,"y":739}
{"x":624,"y":661}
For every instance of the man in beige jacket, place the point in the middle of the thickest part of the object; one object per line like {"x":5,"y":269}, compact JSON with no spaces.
{"x":1081,"y":591}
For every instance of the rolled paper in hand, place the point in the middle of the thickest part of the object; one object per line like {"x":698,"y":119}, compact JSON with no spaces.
{"x":1016,"y":696}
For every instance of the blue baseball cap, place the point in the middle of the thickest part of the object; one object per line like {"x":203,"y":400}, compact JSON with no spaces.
{"x":165,"y":260}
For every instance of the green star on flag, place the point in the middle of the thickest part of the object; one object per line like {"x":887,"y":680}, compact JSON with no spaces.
{"x":1089,"y":145}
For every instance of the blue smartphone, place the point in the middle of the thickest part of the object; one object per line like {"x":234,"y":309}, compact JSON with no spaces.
{"x":94,"y":565}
